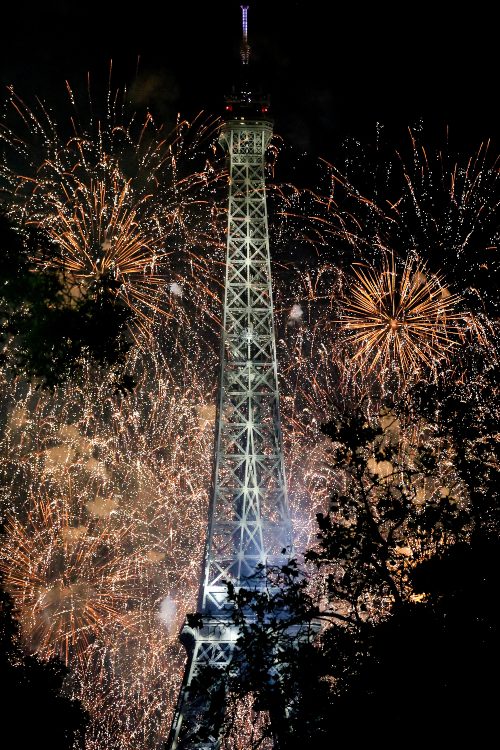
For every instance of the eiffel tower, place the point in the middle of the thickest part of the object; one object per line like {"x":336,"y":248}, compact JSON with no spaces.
{"x":249,"y":520}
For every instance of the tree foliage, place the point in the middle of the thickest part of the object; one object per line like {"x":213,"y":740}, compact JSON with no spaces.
{"x":48,"y":324}
{"x":33,"y":695}
{"x":390,"y":631}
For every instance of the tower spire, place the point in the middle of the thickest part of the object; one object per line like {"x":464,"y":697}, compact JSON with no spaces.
{"x":249,"y":525}
{"x":245,"y":47}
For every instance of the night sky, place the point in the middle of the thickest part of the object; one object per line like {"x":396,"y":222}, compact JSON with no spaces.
{"x":333,"y":70}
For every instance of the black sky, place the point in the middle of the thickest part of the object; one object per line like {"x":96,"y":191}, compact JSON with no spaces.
{"x":333,"y":69}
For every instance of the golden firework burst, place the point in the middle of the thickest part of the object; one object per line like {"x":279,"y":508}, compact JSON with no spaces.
{"x":121,"y":203}
{"x":400,"y":318}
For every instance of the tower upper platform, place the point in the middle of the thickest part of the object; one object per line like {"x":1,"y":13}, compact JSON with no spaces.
{"x":246,"y":102}
{"x":247,"y":105}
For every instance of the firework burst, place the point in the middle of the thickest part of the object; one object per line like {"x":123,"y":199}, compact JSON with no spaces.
{"x":74,"y":589}
{"x":441,"y":205}
{"x":121,"y":203}
{"x":400,"y":318}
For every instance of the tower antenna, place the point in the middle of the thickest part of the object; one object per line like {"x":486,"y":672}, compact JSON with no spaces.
{"x":245,"y":47}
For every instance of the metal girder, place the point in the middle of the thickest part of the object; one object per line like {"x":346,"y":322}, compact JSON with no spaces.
{"x":249,"y":520}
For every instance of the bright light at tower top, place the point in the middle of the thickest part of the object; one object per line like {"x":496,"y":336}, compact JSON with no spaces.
{"x":244,"y":20}
{"x":246,"y":102}
{"x":245,"y":48}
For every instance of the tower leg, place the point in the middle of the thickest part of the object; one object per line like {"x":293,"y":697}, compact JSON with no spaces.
{"x":201,"y":706}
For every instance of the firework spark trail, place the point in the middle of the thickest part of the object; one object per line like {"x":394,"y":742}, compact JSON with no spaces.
{"x":120,"y":201}
{"x":433,"y":204}
{"x":112,"y":522}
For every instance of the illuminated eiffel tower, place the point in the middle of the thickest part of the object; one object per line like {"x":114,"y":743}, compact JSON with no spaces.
{"x":249,"y":521}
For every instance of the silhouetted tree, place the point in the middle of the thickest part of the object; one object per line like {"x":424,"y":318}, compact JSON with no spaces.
{"x":374,"y":647}
{"x":48,"y":324}
{"x":34,"y":709}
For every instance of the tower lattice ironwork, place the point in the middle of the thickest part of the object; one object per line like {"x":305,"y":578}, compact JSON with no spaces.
{"x":249,"y":521}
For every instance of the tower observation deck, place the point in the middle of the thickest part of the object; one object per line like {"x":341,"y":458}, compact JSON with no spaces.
{"x":249,"y":524}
